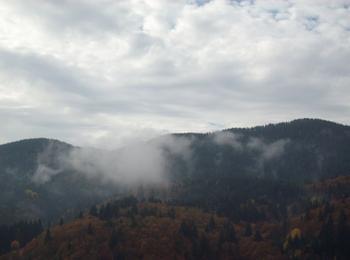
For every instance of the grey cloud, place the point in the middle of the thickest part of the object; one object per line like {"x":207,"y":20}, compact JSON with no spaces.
{"x":36,"y":68}
{"x":84,"y":16}
{"x":170,"y":65}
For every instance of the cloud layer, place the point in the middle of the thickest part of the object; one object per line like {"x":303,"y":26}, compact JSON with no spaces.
{"x":100,"y":72}
{"x":152,"y":162}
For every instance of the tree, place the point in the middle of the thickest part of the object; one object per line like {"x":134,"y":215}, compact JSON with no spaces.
{"x":93,"y":211}
{"x":90,"y":229}
{"x":228,"y":233}
{"x":15,"y":245}
{"x":293,"y":244}
{"x":48,"y":236}
{"x":342,"y":236}
{"x":326,"y":237}
{"x":257,"y":235}
{"x":172,"y":213}
{"x":204,"y":249}
{"x":113,"y":241}
{"x":188,"y":229}
{"x":248,"y":230}
{"x":211,"y":225}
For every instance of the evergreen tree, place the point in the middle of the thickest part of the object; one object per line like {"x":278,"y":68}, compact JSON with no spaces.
{"x":81,"y":215}
{"x":188,"y":229}
{"x":326,"y":238}
{"x":93,"y":211}
{"x":248,"y":230}
{"x":114,"y":239}
{"x":257,"y":235}
{"x":204,"y":247}
{"x":90,"y":230}
{"x":172,"y":213}
{"x":228,"y":234}
{"x":342,"y":236}
{"x":211,"y":225}
{"x":48,"y":236}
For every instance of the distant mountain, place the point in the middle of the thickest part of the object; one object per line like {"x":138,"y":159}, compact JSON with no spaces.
{"x":289,"y":181}
{"x":32,"y":185}
{"x":268,"y":163}
{"x":216,"y":170}
{"x":300,"y":150}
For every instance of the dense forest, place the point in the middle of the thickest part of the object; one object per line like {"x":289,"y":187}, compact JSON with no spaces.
{"x":129,"y":228}
{"x":271,"y":192}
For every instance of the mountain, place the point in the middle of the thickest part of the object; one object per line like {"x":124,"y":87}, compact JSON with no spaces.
{"x":131,"y":229}
{"x":230,"y":165}
{"x":270,"y":163}
{"x":275,"y":178}
{"x":304,"y":149}
{"x":33,"y":186}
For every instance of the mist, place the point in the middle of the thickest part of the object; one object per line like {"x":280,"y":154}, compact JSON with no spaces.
{"x":145,"y":163}
{"x":134,"y":164}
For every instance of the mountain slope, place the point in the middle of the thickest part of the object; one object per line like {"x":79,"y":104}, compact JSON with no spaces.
{"x":276,"y":177}
{"x":233,"y":165}
{"x":313,"y":228}
{"x":32,"y":186}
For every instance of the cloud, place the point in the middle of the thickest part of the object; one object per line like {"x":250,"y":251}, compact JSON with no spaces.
{"x":142,"y":162}
{"x":152,"y":162}
{"x":48,"y":163}
{"x":104,"y":68}
{"x":269,"y":151}
{"x":228,"y":138}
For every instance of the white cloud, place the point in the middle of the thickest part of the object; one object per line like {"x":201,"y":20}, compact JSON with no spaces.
{"x":85,"y":71}
{"x":142,"y":162}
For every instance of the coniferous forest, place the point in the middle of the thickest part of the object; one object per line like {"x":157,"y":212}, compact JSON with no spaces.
{"x":273,"y":192}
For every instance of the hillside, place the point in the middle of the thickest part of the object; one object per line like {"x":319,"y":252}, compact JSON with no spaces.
{"x":33,"y":186}
{"x":128,"y":229}
{"x":271,"y":178}
{"x":148,"y":231}
{"x":252,"y":162}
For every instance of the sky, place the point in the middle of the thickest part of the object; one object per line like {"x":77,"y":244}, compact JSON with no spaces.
{"x":103,"y":73}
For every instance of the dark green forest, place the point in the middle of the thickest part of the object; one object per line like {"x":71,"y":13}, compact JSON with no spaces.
{"x":282,"y":186}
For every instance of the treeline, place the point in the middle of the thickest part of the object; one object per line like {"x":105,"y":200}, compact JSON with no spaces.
{"x":18,"y":234}
{"x":244,"y":198}
{"x":214,"y":241}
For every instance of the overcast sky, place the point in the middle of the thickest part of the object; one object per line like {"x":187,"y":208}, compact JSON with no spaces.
{"x":100,"y":72}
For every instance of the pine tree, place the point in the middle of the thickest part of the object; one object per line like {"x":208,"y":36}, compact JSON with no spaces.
{"x":188,"y":229}
{"x":326,"y":237}
{"x":227,"y":234}
{"x":48,"y":236}
{"x":248,"y":230}
{"x":257,"y":235}
{"x":342,"y":236}
{"x":211,"y":225}
{"x":93,"y":211}
{"x":90,"y":229}
{"x":114,"y":239}
{"x":172,"y":213}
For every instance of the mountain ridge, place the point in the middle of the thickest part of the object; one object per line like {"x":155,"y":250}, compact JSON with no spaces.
{"x":296,"y":151}
{"x":298,"y":121}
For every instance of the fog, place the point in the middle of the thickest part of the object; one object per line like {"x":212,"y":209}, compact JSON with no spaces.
{"x":145,"y":162}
